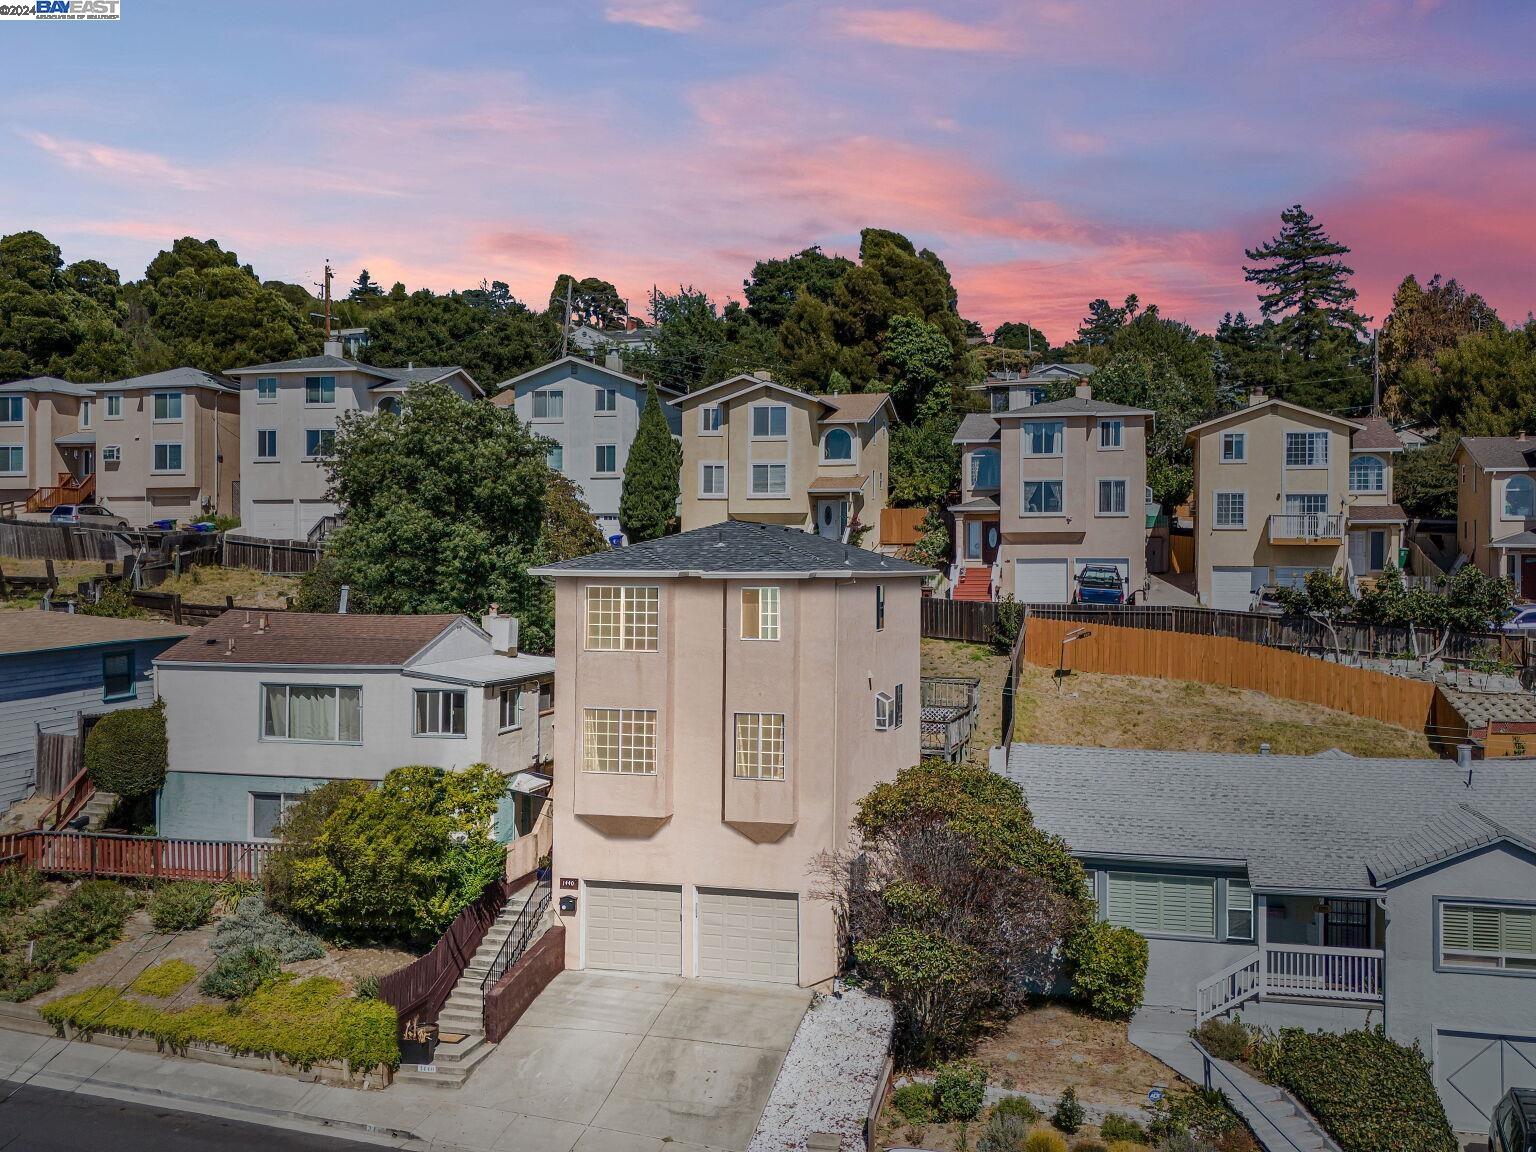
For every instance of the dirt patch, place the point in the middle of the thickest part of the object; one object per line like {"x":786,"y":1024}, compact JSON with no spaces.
{"x":1099,"y":711}
{"x":140,"y":948}
{"x":1050,"y":1047}
{"x":353,"y":965}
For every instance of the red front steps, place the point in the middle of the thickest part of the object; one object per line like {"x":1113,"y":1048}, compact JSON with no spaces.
{"x":974,"y":584}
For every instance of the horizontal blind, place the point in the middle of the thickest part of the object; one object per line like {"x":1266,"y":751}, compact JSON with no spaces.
{"x":1177,"y":905}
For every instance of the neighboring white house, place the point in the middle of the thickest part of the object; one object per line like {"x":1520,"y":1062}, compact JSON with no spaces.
{"x":288,"y":414}
{"x":590,"y":415}
{"x":1324,"y":891}
{"x":261,"y":707}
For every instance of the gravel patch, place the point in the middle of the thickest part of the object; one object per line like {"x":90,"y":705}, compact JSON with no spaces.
{"x":830,"y":1074}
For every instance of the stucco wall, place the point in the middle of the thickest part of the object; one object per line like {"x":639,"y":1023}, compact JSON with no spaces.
{"x":44,"y":417}
{"x":209,"y":425}
{"x":215,"y":805}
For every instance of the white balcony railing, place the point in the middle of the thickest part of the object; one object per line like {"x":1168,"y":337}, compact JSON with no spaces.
{"x":1306,"y":526}
{"x":1349,"y":975}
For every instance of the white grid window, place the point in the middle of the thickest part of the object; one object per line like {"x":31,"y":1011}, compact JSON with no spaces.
{"x":549,"y":404}
{"x":1111,"y":433}
{"x":1488,"y":936}
{"x":267,"y":812}
{"x":759,"y":746}
{"x":1239,"y":910}
{"x":1234,"y":447}
{"x":712,"y":480}
{"x":885,"y":708}
{"x":1367,"y":474}
{"x":112,"y":454}
{"x":1042,"y":497}
{"x":1043,"y":437}
{"x":1231,"y":509}
{"x":266,"y":389}
{"x":1306,"y":449}
{"x":769,"y":479}
{"x":439,"y":712}
{"x":1111,"y":497}
{"x":760,"y":613}
{"x":623,"y":618}
{"x":619,"y":740}
{"x":315,"y":713}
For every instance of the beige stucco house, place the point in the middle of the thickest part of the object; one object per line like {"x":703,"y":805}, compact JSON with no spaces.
{"x":1281,"y":490}
{"x":1045,"y":490}
{"x":38,"y":418}
{"x":727,"y":696}
{"x":756,"y":450}
{"x":288,"y":423}
{"x":1496,"y":507}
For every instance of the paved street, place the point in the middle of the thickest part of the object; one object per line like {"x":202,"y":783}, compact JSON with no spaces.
{"x":41,"y":1119}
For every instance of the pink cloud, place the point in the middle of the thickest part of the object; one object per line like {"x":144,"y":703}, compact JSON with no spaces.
{"x":667,"y":15}
{"x":119,"y":163}
{"x":915,"y":28}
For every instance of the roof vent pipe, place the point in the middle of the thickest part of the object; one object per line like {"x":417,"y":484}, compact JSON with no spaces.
{"x":341,"y":603}
{"x":1464,"y":760}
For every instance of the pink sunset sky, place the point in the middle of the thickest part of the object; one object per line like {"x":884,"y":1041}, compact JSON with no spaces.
{"x":1050,"y":152}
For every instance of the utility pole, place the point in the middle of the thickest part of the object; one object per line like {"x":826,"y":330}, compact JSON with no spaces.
{"x":325,"y":288}
{"x":1376,"y":372}
{"x":565,"y":332}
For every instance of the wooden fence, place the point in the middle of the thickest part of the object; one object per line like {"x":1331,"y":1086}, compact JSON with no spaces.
{"x":1234,"y":663}
{"x":98,"y":854}
{"x":59,"y":757}
{"x":28,"y":541}
{"x":281,"y":557}
{"x":971,"y":620}
{"x":418,"y":991}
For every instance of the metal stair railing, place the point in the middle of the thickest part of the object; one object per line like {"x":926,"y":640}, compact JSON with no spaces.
{"x":521,"y":935}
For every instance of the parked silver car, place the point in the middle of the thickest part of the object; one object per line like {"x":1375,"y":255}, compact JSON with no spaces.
{"x":86,"y":515}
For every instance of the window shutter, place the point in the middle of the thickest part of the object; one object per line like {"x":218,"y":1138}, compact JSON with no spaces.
{"x":1486,"y":934}
{"x":1519,"y":930}
{"x":1456,"y":926}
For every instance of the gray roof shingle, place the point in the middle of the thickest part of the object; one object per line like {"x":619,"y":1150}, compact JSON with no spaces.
{"x":171,"y":378}
{"x":1462,"y":829}
{"x":1297,"y":823}
{"x":46,"y":384}
{"x":736,"y":546}
{"x":1073,"y":406}
{"x":977,"y":427}
{"x":1501,"y":451}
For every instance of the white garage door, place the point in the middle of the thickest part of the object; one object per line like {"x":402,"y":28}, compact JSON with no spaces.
{"x":635,"y":927}
{"x":749,"y":935}
{"x":1474,"y":1069}
{"x":172,"y":505}
{"x":1040,"y":581}
{"x":271,"y":519}
{"x":130,"y":508}
{"x":1232,"y":588}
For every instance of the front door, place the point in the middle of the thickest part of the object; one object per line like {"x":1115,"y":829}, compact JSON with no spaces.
{"x":832,"y":518}
{"x":975,"y":539}
{"x":989,"y":538}
{"x":1528,"y":577}
{"x":1347,"y":924}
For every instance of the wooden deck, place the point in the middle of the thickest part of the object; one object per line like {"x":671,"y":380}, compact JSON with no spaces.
{"x":94,"y":854}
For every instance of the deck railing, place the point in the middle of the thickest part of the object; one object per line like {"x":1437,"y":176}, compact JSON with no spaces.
{"x":67,"y":491}
{"x":98,"y":854}
{"x":1308,"y":526}
{"x":1349,"y":975}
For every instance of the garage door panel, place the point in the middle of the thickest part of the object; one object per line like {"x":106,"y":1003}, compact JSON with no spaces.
{"x":634,"y":927}
{"x":1233,"y":588}
{"x":1040,"y":581}
{"x":271,"y":519}
{"x":749,"y":935}
{"x":1474,"y":1069}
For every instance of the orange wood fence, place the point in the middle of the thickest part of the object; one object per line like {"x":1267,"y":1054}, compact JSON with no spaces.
{"x":94,"y":854}
{"x":1234,"y":663}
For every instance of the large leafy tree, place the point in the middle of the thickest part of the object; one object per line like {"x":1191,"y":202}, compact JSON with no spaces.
{"x":1424,"y":322}
{"x":1017,"y":334}
{"x":1246,"y":358}
{"x":694,"y":344}
{"x":774,"y":285}
{"x":1153,"y":381}
{"x":1485,"y":385}
{"x":1104,"y":320}
{"x":58,"y":321}
{"x":1424,"y":480}
{"x":493,"y":340}
{"x":445,"y":508}
{"x":593,"y":301}
{"x":648,"y":498}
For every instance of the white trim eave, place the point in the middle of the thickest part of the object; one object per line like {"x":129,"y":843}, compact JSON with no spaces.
{"x":676,"y":573}
{"x":585,"y":363}
{"x":1273,"y":402}
{"x":361,"y":370}
{"x":743,"y":383}
{"x":262,"y":665}
{"x":475,"y":681}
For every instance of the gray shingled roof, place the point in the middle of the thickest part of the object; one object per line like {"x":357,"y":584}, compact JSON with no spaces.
{"x":1044,"y":371}
{"x":736,"y":546}
{"x":171,"y":378}
{"x":1462,"y":829}
{"x":977,"y":427}
{"x":1518,"y":540}
{"x":1298,"y":823}
{"x":1501,"y":451}
{"x":1376,"y":435}
{"x":46,"y":384}
{"x":1073,"y":406}
{"x":307,"y":363}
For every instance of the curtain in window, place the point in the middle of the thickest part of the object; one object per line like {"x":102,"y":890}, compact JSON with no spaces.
{"x":311,"y":713}
{"x":350,"y":715}
{"x":276,"y":711}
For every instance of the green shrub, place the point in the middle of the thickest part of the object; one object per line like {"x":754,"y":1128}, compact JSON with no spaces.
{"x":113,"y":600}
{"x":1044,"y":1140}
{"x":959,"y":1089}
{"x":1203,"y":1114}
{"x":1003,"y":1132}
{"x":181,"y":905}
{"x":1115,"y":1127}
{"x":1225,"y":1039}
{"x":252,"y":926}
{"x":164,"y":979}
{"x":125,"y":752}
{"x":1016,"y":1106}
{"x":1109,"y":969}
{"x":20,"y":889}
{"x":88,"y":920}
{"x":914,"y":1102}
{"x":301,"y":1021}
{"x":1367,"y":1091}
{"x":367,"y":988}
{"x":1069,"y":1113}
{"x":236,"y":975}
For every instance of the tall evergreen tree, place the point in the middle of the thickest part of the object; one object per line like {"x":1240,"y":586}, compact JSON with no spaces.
{"x":364,"y":286}
{"x":648,"y":499}
{"x":1305,"y":284}
{"x":1104,"y":320}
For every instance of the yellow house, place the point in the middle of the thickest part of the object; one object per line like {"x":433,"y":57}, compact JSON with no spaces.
{"x":1281,"y":491}
{"x":1496,"y":507}
{"x":756,"y":450}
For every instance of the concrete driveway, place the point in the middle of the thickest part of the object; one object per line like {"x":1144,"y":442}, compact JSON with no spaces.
{"x":610,"y":1062}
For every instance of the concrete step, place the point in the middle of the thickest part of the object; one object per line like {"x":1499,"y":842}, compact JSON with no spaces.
{"x":460,"y":1053}
{"x":458,"y":1013}
{"x":449,"y":1075}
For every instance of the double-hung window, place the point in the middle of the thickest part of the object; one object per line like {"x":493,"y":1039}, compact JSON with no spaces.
{"x":770,"y":479}
{"x":319,"y":442}
{"x":266,"y":443}
{"x":770,"y":421}
{"x":1112,"y":498}
{"x":510,"y":704}
{"x":712,"y":480}
{"x":1239,"y":910}
{"x":760,"y":746}
{"x":546,"y":697}
{"x":549,"y":404}
{"x":13,"y":409}
{"x":554,"y":457}
{"x":1042,"y":497}
{"x":760,"y":613}
{"x":114,"y":407}
{"x":1111,"y":434}
{"x":985,"y":468}
{"x":1166,"y":905}
{"x":619,"y":740}
{"x":1491,"y":936}
{"x":439,"y":712}
{"x":606,"y":402}
{"x":1306,"y":449}
{"x":1043,"y":437}
{"x":117,"y":678}
{"x":318,"y":713}
{"x":709,"y":420}
{"x":13,"y":460}
{"x":623,"y":617}
{"x":605,"y":459}
{"x":267,"y":812}
{"x":85,"y":413}
{"x":1231,"y":509}
{"x":266,"y":389}
{"x":319,"y":389}
{"x":167,"y":405}
{"x":168,"y":457}
{"x":1234,"y":447}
